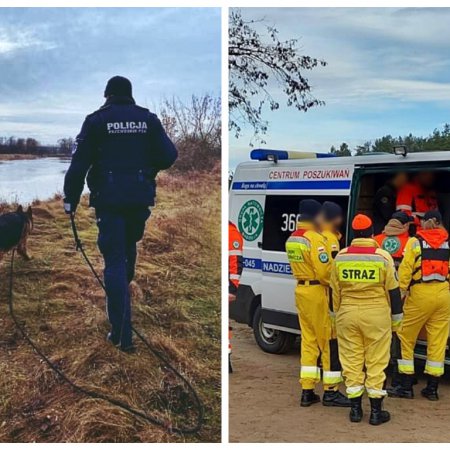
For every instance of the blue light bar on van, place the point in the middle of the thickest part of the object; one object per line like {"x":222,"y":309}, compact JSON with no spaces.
{"x":260,"y":154}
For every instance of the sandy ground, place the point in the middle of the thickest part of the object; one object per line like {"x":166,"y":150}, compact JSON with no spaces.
{"x":264,"y":405}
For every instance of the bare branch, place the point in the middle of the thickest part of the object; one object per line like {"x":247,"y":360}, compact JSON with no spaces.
{"x":253,"y":64}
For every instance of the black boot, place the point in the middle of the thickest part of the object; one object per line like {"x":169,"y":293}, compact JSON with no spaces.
{"x":335,"y":398}
{"x":377,"y":415}
{"x":309,"y":397}
{"x":230,"y":366}
{"x":404,"y":389}
{"x":431,"y":391}
{"x":396,"y":377}
{"x":356,"y":413}
{"x":130,"y":349}
{"x":113,"y":339}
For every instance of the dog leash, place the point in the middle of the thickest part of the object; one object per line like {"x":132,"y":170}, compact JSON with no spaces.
{"x":167,"y":425}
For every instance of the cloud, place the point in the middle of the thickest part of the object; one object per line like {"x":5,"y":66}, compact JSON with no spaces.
{"x":12,"y":41}
{"x":387,"y":72}
{"x":54,"y":62}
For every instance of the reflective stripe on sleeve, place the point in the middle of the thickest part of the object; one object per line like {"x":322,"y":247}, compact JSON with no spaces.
{"x":235,"y":276}
{"x":300,"y":240}
{"x":407,"y":207}
{"x":355,"y":391}
{"x":434,"y":277}
{"x":406,"y":366}
{"x":396,"y":319}
{"x":434,"y":368}
{"x":235,"y":252}
{"x":310,"y":372}
{"x":331,"y":377}
{"x":376,"y":393}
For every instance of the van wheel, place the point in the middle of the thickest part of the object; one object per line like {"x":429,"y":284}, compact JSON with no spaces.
{"x":270,"y":340}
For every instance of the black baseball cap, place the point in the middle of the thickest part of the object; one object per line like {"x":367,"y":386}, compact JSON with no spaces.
{"x":331,"y":210}
{"x":402,"y":217}
{"x":433,"y":214}
{"x":308,"y":209}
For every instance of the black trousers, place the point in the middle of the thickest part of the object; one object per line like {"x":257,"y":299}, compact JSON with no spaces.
{"x":119,"y":232}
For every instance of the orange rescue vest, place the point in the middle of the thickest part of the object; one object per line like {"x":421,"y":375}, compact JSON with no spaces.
{"x":435,"y":255}
{"x":394,"y":245}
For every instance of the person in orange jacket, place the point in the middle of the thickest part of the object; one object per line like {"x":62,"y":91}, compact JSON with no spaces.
{"x":417,"y":197}
{"x":235,"y":266}
{"x":395,"y":235}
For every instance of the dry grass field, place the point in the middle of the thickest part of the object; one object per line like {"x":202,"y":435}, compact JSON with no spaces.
{"x":176,"y":306}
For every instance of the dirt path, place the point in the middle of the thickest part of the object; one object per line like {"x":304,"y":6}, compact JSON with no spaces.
{"x":264,"y":405}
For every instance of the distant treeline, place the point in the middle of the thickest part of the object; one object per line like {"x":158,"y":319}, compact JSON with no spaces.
{"x":31,"y":146}
{"x":437,"y":140}
{"x":195,"y":127}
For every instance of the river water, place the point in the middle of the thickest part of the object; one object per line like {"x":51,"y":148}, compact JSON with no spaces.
{"x":23,"y":181}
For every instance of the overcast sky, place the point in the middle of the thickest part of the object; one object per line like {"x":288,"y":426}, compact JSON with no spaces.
{"x":388,"y":72}
{"x":54,"y":63}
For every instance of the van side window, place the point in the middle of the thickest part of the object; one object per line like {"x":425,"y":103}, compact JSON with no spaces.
{"x":281,"y":215}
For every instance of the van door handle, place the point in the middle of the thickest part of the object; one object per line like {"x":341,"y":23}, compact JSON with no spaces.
{"x":259,"y":244}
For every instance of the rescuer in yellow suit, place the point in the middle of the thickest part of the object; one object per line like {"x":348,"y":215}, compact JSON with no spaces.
{"x":330,"y":220}
{"x":425,"y":271}
{"x":367,"y":304}
{"x":310,"y":262}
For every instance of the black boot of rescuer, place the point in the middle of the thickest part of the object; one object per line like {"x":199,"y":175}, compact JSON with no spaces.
{"x":309,"y":397}
{"x":377,"y":415}
{"x":356,"y":412}
{"x":431,"y":390}
{"x":335,"y":398}
{"x":404,"y":389}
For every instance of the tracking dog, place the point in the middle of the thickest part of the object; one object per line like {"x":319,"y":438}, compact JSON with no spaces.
{"x":15,"y":227}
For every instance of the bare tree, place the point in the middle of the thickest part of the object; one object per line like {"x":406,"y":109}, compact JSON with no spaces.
{"x":65,"y":145}
{"x":195,"y":127}
{"x":254,"y":64}
{"x":200,"y":119}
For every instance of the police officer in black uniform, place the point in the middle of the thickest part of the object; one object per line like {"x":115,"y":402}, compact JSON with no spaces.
{"x":121,"y":147}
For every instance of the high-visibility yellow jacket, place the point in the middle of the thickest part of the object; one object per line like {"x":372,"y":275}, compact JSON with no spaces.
{"x":308,"y":255}
{"x":332,"y":238}
{"x":410,"y":270}
{"x":364,"y":274}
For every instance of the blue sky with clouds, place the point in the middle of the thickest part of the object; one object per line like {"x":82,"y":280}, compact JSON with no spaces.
{"x":388,"y":72}
{"x":54,"y":63}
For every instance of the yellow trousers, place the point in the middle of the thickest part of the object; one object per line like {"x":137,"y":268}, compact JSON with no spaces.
{"x":364,"y":336}
{"x":428,"y":305}
{"x":316,"y":342}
